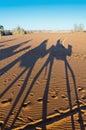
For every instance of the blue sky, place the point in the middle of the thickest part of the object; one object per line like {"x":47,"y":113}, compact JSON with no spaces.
{"x":42,"y":14}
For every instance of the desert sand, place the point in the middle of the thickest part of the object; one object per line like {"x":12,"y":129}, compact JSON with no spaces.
{"x":43,"y":83}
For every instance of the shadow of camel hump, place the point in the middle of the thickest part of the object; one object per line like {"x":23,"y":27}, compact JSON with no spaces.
{"x":26,"y":60}
{"x":30,"y":58}
{"x":60,"y":52}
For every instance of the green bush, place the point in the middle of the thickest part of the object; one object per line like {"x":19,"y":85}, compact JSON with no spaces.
{"x":78,"y":28}
{"x":19,"y":30}
{"x":1,"y":30}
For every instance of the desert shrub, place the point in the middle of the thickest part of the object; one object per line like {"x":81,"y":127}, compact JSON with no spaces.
{"x":78,"y":28}
{"x":19,"y":30}
{"x":1,"y":30}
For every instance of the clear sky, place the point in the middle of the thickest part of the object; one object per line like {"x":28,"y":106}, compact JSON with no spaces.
{"x":42,"y":14}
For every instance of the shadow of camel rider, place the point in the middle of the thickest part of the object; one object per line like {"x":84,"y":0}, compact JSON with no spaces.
{"x":60,"y":52}
{"x":28,"y":61}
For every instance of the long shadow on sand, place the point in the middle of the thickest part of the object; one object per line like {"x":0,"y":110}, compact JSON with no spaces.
{"x":28,"y":60}
{"x":10,"y":51}
{"x":7,"y":40}
{"x":60,"y":53}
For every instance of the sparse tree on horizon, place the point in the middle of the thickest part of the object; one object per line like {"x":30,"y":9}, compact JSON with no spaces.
{"x":18,"y":30}
{"x":78,"y":28}
{"x":1,"y":30}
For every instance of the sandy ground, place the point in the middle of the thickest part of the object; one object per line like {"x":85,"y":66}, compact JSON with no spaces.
{"x":43,"y":83}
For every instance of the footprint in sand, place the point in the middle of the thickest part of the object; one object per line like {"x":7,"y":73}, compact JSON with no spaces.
{"x":19,"y":85}
{"x":64,"y":97}
{"x":80,"y":89}
{"x":5,"y":81}
{"x":54,"y":96}
{"x":31,"y":94}
{"x":6,"y":101}
{"x":40,"y":100}
{"x":1,"y":123}
{"x":37,"y":82}
{"x":27,"y":104}
{"x":84,"y":96}
{"x":14,"y":75}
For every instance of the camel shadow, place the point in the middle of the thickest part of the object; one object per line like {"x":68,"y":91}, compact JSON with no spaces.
{"x":28,"y":61}
{"x":58,"y":52}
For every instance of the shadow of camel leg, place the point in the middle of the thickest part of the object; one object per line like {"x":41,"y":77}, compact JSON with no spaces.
{"x":31,"y":86}
{"x":69,"y":95}
{"x":8,"y":87}
{"x":77,"y":98}
{"x":45,"y":97}
{"x":18,"y":97}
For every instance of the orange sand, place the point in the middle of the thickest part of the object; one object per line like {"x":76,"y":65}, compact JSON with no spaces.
{"x":41,"y":87}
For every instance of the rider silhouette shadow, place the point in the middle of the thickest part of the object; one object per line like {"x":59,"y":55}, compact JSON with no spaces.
{"x":60,"y":53}
{"x":28,"y":61}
